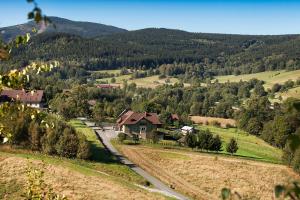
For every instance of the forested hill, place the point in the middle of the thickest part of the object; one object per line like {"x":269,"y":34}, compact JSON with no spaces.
{"x":150,"y":48}
{"x":84,"y":29}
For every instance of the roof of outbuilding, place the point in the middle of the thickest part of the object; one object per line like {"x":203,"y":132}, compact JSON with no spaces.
{"x":131,"y":117}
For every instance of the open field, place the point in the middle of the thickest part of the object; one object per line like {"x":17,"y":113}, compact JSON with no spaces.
{"x":294,"y":92}
{"x":102,"y":178}
{"x":270,"y":77}
{"x":74,"y":184}
{"x":208,"y":120}
{"x":148,"y":82}
{"x":202,"y":176}
{"x":111,"y":71}
{"x":249,"y":146}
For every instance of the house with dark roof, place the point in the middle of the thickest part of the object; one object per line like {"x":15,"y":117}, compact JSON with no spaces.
{"x":32,"y":99}
{"x":141,"y":124}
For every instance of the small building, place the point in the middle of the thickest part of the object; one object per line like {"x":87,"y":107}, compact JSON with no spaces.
{"x":141,"y":124}
{"x":187,"y":129}
{"x":106,"y":86}
{"x":32,"y":99}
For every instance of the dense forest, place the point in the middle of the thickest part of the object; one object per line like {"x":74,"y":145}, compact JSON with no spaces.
{"x":215,"y":54}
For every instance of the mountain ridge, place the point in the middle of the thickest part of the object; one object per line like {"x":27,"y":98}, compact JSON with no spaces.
{"x":62,"y":25}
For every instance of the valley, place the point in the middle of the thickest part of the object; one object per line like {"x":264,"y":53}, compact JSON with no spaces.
{"x":94,"y":111}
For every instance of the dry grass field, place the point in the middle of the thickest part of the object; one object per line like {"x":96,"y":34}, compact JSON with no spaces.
{"x":270,"y":77}
{"x":65,"y":181}
{"x":208,"y":120}
{"x":147,"y":82}
{"x":294,"y":92}
{"x":202,"y":176}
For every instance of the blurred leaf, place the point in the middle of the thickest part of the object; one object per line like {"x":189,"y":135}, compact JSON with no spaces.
{"x":225,"y":193}
{"x":4,"y":55}
{"x":30,"y":15}
{"x":279,"y":190}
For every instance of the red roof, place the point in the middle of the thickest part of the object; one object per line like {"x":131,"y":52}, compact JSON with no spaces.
{"x":174,"y":117}
{"x":131,"y":117}
{"x":26,"y":97}
{"x":105,"y":86}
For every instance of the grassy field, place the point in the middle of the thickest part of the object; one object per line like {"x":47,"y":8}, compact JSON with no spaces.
{"x":101,"y":178}
{"x":208,"y":120}
{"x":270,"y":77}
{"x":294,"y":92}
{"x":249,"y":146}
{"x":149,"y":82}
{"x":74,"y":179}
{"x":202,"y":176}
{"x":113,"y":71}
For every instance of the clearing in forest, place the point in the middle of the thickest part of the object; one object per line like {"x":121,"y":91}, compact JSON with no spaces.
{"x":270,"y":77}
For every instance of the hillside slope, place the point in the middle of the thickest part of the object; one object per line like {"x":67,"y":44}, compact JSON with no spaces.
{"x":83,"y":29}
{"x":74,"y":184}
{"x":216,"y":54}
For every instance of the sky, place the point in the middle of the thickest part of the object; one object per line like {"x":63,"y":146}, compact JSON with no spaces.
{"x":210,"y":16}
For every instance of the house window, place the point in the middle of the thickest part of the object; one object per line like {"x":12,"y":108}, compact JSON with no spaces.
{"x":143,"y":128}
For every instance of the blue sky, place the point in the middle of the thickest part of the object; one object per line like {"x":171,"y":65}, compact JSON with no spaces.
{"x":214,"y":16}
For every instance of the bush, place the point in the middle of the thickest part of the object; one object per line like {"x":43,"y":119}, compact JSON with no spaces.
{"x":84,"y":148}
{"x":232,"y":146}
{"x":191,"y":140}
{"x":216,"y":144}
{"x":121,"y":137}
{"x":49,"y":141}
{"x":35,"y":134}
{"x":296,"y":161}
{"x":154,"y":137}
{"x":204,"y":140}
{"x":68,"y":143}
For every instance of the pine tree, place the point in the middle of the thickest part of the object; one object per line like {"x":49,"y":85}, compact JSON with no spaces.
{"x":232,"y":146}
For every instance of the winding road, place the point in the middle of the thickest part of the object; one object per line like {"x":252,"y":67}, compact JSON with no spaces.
{"x":106,"y":135}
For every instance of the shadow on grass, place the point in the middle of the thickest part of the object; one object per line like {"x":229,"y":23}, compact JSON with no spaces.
{"x":102,"y":154}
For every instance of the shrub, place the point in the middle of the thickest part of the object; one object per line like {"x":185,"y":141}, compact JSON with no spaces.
{"x":84,"y":147}
{"x":296,"y":161}
{"x":68,"y":144}
{"x":232,"y":146}
{"x":216,"y":144}
{"x":191,"y":140}
{"x":48,"y":141}
{"x":135,"y":138}
{"x":36,"y":188}
{"x":121,"y":137}
{"x":35,"y":134}
{"x":204,"y":140}
{"x":154,"y":137}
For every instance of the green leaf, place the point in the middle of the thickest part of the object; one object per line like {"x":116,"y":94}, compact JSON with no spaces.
{"x":225,"y":193}
{"x":30,"y":15}
{"x":279,"y":189}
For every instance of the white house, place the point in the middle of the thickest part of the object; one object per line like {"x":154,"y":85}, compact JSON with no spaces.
{"x":32,"y":99}
{"x":187,"y":129}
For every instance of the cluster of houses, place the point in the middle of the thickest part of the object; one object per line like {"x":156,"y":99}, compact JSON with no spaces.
{"x":129,"y":122}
